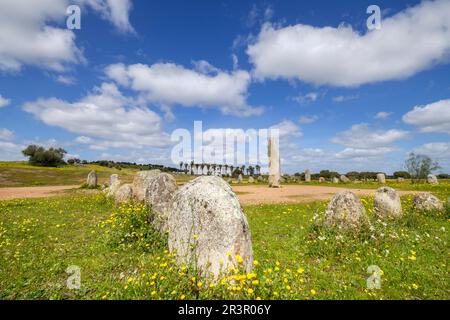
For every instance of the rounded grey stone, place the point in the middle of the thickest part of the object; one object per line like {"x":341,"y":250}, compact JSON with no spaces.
{"x":124,"y":194}
{"x":207,"y":227}
{"x":141,"y":182}
{"x":387,"y":203}
{"x":427,"y":202}
{"x":345,"y":211}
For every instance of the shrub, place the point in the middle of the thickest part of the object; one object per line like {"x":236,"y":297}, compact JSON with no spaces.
{"x":44,"y":157}
{"x":402,"y":174}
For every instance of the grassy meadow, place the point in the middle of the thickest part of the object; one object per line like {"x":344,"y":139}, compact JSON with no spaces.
{"x":295,"y":256}
{"x":21,"y":174}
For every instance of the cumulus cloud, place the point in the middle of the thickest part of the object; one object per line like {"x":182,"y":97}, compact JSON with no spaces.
{"x":10,"y":151}
{"x":105,"y":115}
{"x":288,"y":128}
{"x":168,"y":84}
{"x":4,"y":102}
{"x":435,"y":149}
{"x":361,"y":136}
{"x":407,"y":43}
{"x":115,"y":11}
{"x":383,"y":115}
{"x":339,"y":99}
{"x":308,"y":119}
{"x":6,"y":134}
{"x":67,"y":80}
{"x":439,"y":151}
{"x":83,"y":140}
{"x":434,"y":117}
{"x":307,"y":98}
{"x":363,"y":153}
{"x":35,"y":33}
{"x":361,"y":142}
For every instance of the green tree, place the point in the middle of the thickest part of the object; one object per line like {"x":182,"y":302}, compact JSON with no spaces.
{"x":40,"y":156}
{"x":402,"y":174}
{"x":420,"y":166}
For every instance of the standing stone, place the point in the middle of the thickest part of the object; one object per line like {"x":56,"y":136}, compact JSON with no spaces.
{"x":240,"y":179}
{"x":113,"y":179}
{"x":387,"y":203}
{"x":427,"y":202}
{"x":251,"y":179}
{"x":321,"y":179}
{"x":124,"y":194}
{"x":335,"y":180}
{"x":92,"y":179}
{"x":141,"y":182}
{"x":207,"y":227}
{"x":345,"y":211}
{"x":274,"y":163}
{"x":344,"y":178}
{"x":432,"y":179}
{"x":158,"y":197}
{"x":260,"y":179}
{"x":400,"y":179}
{"x":381,"y":178}
{"x":114,"y":185}
{"x":307,"y":176}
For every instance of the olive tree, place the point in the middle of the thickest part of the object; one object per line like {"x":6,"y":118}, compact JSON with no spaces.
{"x":420,"y":166}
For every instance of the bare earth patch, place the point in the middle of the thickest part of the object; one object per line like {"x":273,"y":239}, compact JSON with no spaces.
{"x":249,"y":195}
{"x":32,"y":192}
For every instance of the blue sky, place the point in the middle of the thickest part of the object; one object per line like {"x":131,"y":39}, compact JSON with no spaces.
{"x":345,"y":98}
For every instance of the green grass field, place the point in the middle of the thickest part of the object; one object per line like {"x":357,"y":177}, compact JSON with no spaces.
{"x":296,"y":258}
{"x":21,"y":174}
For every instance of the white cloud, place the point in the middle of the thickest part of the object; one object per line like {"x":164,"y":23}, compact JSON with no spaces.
{"x":113,"y":119}
{"x":339,"y":99}
{"x":434,"y":117}
{"x":26,"y":37}
{"x":4,"y":102}
{"x":83,"y":140}
{"x":6,"y":134}
{"x":307,"y":98}
{"x":383,"y":115}
{"x":441,"y":149}
{"x":287,"y":128}
{"x":438,"y":151}
{"x":308,"y":119}
{"x":10,"y":151}
{"x":359,"y":136}
{"x":168,"y":84}
{"x":363,"y":153}
{"x":407,"y":43}
{"x":67,"y":80}
{"x":116,"y":11}
{"x":35,"y":33}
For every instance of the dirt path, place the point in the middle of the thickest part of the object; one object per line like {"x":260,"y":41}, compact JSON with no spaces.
{"x":32,"y":192}
{"x":252,"y":194}
{"x":292,"y":193}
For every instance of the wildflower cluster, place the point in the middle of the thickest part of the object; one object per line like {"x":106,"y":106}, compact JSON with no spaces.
{"x":129,"y":226}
